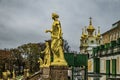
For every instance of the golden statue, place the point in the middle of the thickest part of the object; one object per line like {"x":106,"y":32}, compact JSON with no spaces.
{"x":57,"y":41}
{"x":40,"y":61}
{"x":6,"y":75}
{"x":13,"y":74}
{"x":47,"y":53}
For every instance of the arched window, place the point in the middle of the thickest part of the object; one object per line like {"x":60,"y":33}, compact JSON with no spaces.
{"x":92,"y":41}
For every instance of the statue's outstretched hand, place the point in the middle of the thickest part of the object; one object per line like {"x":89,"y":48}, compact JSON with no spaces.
{"x":48,"y":31}
{"x":42,"y":52}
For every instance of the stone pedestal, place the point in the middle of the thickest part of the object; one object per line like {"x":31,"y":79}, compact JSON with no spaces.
{"x":58,"y":73}
{"x":46,"y":73}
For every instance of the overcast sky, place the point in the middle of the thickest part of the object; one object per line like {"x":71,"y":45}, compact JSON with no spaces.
{"x":24,"y":21}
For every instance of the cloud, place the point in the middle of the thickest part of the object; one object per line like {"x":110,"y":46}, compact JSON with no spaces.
{"x":23,"y":21}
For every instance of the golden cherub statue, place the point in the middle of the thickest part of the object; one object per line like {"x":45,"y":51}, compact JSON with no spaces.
{"x":57,"y":42}
{"x":47,"y":52}
{"x":40,"y":61}
{"x":6,"y":75}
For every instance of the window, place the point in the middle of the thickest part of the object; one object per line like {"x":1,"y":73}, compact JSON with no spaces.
{"x":85,"y":41}
{"x":92,"y":41}
{"x":119,"y":34}
{"x":99,"y":41}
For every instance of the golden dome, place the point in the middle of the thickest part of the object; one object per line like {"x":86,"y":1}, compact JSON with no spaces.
{"x":84,"y":34}
{"x":98,"y":35}
{"x":82,"y":37}
{"x":90,"y":27}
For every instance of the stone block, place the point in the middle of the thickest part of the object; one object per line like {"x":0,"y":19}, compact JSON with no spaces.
{"x":58,"y":73}
{"x":46,"y":73}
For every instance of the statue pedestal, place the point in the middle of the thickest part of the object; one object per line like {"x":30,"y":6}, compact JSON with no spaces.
{"x":46,"y":73}
{"x":59,"y":72}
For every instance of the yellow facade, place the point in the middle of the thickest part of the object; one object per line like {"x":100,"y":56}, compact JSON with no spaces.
{"x":90,"y":65}
{"x":102,"y":65}
{"x":118,"y":64}
{"x":112,"y":34}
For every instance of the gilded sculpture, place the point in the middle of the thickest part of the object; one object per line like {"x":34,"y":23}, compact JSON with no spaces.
{"x":57,"y":41}
{"x":40,"y":61}
{"x":47,"y":52}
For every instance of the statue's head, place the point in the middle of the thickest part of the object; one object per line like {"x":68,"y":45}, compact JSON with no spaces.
{"x":46,"y":43}
{"x":55,"y":15}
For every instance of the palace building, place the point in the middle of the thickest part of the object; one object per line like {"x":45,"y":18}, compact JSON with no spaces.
{"x":106,"y":57}
{"x":110,"y":54}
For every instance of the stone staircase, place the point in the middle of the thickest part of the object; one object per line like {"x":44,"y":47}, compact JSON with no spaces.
{"x":35,"y":76}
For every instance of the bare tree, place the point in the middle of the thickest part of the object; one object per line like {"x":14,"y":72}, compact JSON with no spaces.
{"x":66,"y":46}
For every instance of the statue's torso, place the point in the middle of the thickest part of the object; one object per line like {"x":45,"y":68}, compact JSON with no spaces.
{"x":55,"y":28}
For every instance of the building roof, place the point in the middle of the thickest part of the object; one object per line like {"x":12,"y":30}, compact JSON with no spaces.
{"x":114,"y":26}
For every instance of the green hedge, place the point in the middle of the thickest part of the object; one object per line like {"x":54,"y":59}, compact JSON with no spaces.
{"x":80,"y":59}
{"x":69,"y":57}
{"x":76,"y":60}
